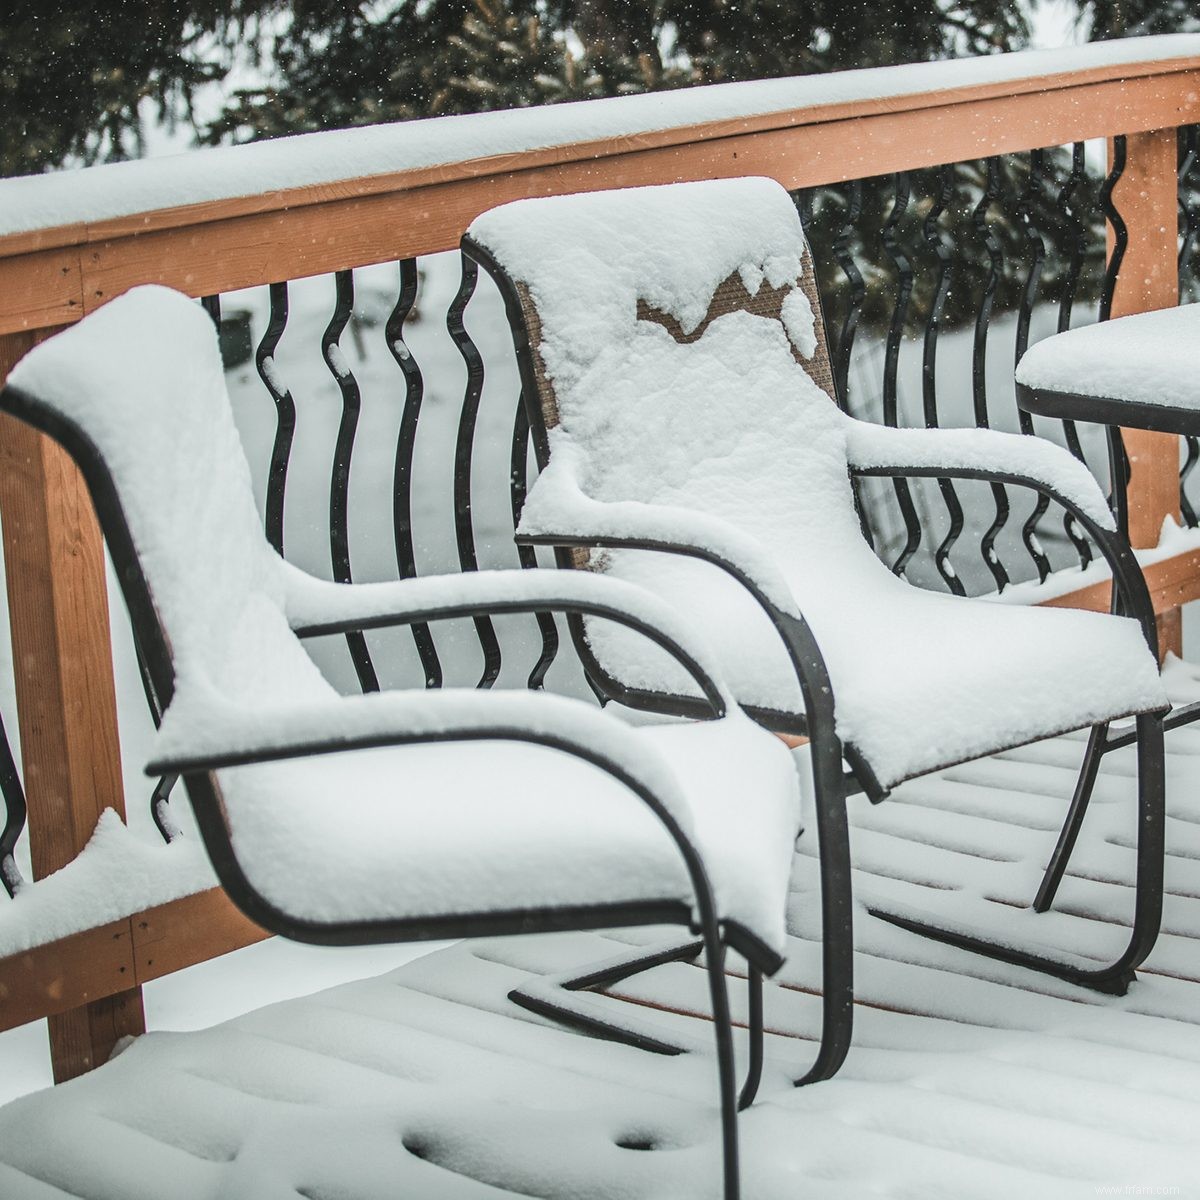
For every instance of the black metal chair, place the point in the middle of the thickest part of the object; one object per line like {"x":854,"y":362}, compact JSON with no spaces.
{"x":541,"y":814}
{"x":675,"y":372}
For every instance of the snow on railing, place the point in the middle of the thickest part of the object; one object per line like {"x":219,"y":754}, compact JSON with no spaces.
{"x":374,"y":152}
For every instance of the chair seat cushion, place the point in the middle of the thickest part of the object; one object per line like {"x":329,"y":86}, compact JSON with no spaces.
{"x":482,"y":827}
{"x":921,"y":680}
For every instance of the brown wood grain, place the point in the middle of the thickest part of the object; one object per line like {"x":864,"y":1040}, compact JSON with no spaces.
{"x":41,"y":289}
{"x":188,"y":931}
{"x":1172,"y":582}
{"x":101,"y":964}
{"x":66,"y":974}
{"x":84,"y":1038}
{"x":66,"y":700}
{"x":1146,"y":196}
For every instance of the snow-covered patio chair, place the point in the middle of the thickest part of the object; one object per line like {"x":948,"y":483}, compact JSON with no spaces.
{"x":361,"y":819}
{"x":674,"y":366}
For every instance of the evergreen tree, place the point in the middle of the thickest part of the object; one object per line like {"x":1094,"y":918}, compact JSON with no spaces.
{"x":346,"y":64}
{"x":74,"y":74}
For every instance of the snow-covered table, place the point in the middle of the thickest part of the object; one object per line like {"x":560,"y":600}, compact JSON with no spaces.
{"x":1139,"y":371}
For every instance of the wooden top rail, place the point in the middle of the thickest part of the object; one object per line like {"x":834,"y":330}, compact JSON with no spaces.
{"x":890,"y":119}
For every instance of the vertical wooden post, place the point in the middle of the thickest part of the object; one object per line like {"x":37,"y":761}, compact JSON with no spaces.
{"x":1147,"y":198}
{"x":67,"y":709}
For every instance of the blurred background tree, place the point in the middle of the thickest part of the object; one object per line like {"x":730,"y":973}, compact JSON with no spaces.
{"x":75,"y":76}
{"x":79,"y":81}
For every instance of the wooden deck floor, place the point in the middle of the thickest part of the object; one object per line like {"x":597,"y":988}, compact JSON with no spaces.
{"x":968,"y":1078}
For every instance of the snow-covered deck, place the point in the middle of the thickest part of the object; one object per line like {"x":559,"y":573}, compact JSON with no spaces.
{"x":968,"y":1078}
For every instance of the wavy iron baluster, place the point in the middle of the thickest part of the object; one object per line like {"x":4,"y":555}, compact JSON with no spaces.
{"x":891,"y":365}
{"x":339,"y":484}
{"x":160,"y":797}
{"x":856,"y":293}
{"x":991,"y":191}
{"x":1074,"y":242}
{"x":518,"y":478}
{"x":1026,"y":205}
{"x":463,"y":449}
{"x":805,"y":202}
{"x":1189,"y":214}
{"x":1120,"y":231}
{"x":414,"y":384}
{"x":1186,"y":510}
{"x":15,"y":813}
{"x":285,"y":414}
{"x":943,"y":254}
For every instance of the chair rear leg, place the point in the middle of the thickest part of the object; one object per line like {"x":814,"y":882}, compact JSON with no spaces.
{"x":714,"y":958}
{"x":754,"y":990}
{"x":837,"y":915}
{"x":1151,"y":840}
{"x":1116,"y":977}
{"x":1074,"y":822}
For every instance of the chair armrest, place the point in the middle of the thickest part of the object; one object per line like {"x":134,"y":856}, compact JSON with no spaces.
{"x":201,"y":731}
{"x":316,"y":607}
{"x":1058,"y":475}
{"x":198,"y":735}
{"x":558,"y":513}
{"x":978,"y":454}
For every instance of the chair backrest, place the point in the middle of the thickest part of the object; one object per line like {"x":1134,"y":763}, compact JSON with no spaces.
{"x":651,"y":216}
{"x":136,"y":393}
{"x":676,"y":339}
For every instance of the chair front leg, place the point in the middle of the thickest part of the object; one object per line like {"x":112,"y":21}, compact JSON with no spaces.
{"x":1067,"y":838}
{"x":754,"y":1023}
{"x":837,"y":910}
{"x":714,"y":959}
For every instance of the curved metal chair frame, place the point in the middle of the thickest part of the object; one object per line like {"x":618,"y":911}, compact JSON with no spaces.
{"x":833,"y":784}
{"x":198,"y":774}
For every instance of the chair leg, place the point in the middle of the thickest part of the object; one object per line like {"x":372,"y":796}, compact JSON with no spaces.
{"x":714,"y":958}
{"x":837,"y":915}
{"x":754,"y":990}
{"x":566,"y":997}
{"x":1074,"y":822}
{"x":1116,"y":977}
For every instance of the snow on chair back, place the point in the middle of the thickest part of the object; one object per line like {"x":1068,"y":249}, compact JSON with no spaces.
{"x":679,"y":359}
{"x":157,"y":414}
{"x":587,"y":270}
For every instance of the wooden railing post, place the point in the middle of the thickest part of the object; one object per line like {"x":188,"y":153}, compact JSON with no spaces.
{"x":66,"y":699}
{"x":1147,"y":198}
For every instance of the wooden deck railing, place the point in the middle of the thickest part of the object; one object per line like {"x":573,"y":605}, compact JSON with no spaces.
{"x":88,"y":984}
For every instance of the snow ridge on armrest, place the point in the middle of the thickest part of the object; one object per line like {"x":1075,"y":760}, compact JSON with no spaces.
{"x":873,"y":447}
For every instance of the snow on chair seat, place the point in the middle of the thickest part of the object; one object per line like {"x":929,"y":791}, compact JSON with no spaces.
{"x":544,"y":814}
{"x":677,"y":378}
